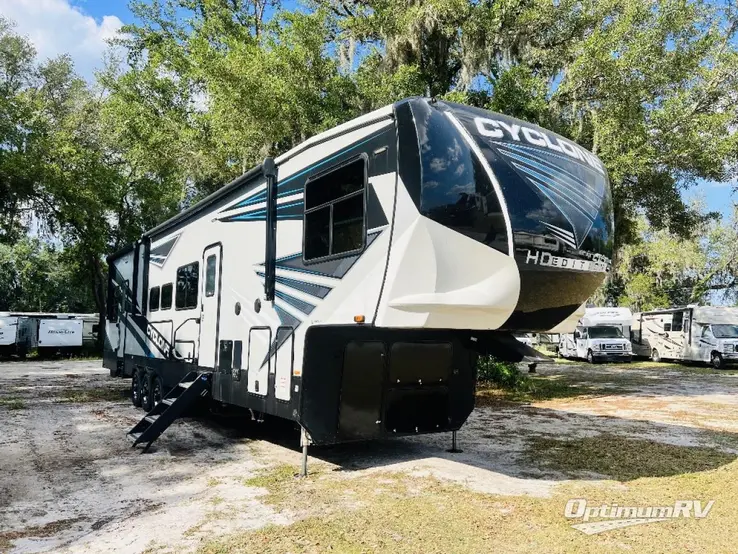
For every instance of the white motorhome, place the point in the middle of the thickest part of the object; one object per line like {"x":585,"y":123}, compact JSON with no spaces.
{"x":17,"y":334}
{"x":693,"y":333}
{"x":601,"y":335}
{"x":349,"y":284}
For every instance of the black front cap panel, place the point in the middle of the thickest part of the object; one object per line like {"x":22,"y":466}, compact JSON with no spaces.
{"x":557,"y":197}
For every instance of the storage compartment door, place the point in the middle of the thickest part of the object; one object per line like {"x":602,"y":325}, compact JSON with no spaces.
{"x":361,"y":391}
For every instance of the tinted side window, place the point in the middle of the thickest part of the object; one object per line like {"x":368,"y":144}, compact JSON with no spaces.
{"x":456,"y":190}
{"x":676,"y":324}
{"x":334,"y":212}
{"x":166,"y":296}
{"x":188,"y":279}
{"x":154,"y":299}
{"x":210,"y":276}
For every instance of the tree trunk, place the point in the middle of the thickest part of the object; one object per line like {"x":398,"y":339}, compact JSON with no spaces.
{"x":99,"y":290}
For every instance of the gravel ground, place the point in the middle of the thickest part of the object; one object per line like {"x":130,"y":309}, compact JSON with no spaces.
{"x":69,"y":481}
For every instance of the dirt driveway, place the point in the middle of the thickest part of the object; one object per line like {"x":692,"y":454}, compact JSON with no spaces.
{"x":635,"y":434}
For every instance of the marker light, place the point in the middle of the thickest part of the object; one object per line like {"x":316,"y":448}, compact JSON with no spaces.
{"x":359,"y":319}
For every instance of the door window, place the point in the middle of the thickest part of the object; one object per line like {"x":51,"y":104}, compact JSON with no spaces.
{"x":210,"y":275}
{"x":676,"y":324}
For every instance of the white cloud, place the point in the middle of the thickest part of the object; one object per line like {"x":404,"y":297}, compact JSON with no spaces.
{"x":55,"y":27}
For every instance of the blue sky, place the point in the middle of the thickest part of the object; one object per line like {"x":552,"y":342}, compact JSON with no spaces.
{"x":81,"y":27}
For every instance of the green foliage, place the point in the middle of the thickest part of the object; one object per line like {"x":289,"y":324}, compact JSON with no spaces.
{"x":661,"y":269}
{"x":36,"y":277}
{"x":208,"y":88}
{"x":491,"y":371}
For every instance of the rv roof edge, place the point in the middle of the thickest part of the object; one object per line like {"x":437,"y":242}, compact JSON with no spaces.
{"x":120,"y":252}
{"x":204,"y":203}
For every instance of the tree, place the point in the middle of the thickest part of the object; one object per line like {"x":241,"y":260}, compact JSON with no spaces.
{"x":661,"y":269}
{"x":37,"y":277}
{"x":649,"y":86}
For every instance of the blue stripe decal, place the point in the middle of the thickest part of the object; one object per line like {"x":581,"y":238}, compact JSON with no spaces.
{"x":567,"y":180}
{"x":258,"y":198}
{"x":542,"y":181}
{"x":252,"y":199}
{"x":142,"y":343}
{"x":319,"y":291}
{"x":301,"y":305}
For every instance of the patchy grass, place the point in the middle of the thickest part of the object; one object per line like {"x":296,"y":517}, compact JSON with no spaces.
{"x":540,"y":388}
{"x":38,"y":531}
{"x":621,"y":458}
{"x":12,"y":403}
{"x":391,"y":512}
{"x":273,"y":478}
{"x":100,"y":394}
{"x":698,"y":369}
{"x":213,"y":482}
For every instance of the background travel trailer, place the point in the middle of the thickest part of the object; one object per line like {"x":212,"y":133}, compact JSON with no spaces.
{"x":349,"y":284}
{"x":693,"y":333}
{"x":47,"y":333}
{"x":601,"y":335}
{"x":17,"y":335}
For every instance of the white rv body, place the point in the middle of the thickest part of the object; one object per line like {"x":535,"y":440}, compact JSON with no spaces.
{"x":8,"y":330}
{"x":60,"y":333}
{"x":17,"y":334}
{"x":706,"y":334}
{"x":601,"y":335}
{"x":460,"y":233}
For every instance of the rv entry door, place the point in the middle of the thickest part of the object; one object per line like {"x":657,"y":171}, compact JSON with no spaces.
{"x":210,"y":307}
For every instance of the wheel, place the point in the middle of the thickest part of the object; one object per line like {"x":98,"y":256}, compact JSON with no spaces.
{"x":590,"y":357}
{"x":655,"y":357}
{"x":156,"y":386}
{"x":136,"y":382}
{"x":628,"y":359}
{"x":146,"y":400}
{"x":717,"y":360}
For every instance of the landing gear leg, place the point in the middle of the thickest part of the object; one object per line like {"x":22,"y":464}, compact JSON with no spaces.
{"x":453,"y":448}
{"x":304,"y":441}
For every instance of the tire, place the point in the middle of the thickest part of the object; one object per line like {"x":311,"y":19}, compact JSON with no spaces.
{"x":629,"y":359}
{"x":146,"y":400}
{"x":156,"y":386}
{"x":655,"y":356}
{"x":590,"y":357}
{"x":717,"y":360}
{"x":136,"y":389}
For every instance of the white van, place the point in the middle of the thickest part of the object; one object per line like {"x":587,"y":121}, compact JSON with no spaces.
{"x":601,"y":335}
{"x":692,"y":333}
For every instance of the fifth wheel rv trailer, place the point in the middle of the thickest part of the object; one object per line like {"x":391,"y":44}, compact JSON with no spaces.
{"x":349,"y":284}
{"x":603,"y":334}
{"x":692,"y":333}
{"x":17,"y":335}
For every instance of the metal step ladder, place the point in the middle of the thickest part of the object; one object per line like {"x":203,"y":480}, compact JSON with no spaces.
{"x":189,"y":390}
